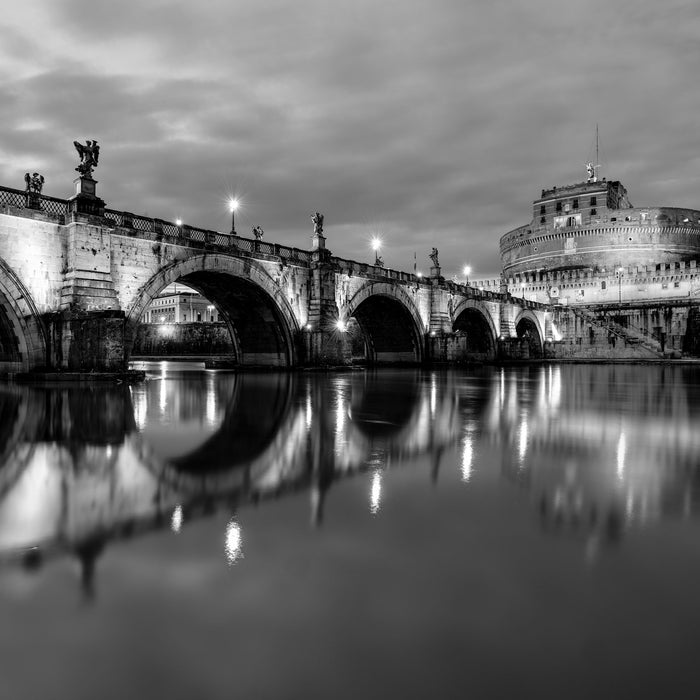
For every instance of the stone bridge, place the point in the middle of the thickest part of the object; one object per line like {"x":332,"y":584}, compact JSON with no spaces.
{"x":76,"y":277}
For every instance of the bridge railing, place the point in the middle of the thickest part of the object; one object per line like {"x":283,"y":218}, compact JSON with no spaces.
{"x":353,"y":266}
{"x":167,"y":231}
{"x":19,"y":199}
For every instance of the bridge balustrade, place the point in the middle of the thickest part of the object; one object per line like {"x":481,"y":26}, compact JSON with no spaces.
{"x":19,"y":199}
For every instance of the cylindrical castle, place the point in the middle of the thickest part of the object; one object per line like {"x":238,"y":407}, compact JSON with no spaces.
{"x":591,"y":226}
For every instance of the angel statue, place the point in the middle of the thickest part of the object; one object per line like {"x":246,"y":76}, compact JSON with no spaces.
{"x":89,"y":155}
{"x":434,"y":257}
{"x":258,"y":233}
{"x":591,"y":172}
{"x":35,"y":182}
{"x":318,"y":223}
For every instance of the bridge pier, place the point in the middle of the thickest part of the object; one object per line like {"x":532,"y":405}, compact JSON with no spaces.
{"x":86,"y":341}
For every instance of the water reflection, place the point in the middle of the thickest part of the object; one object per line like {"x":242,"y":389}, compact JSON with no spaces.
{"x":599,"y":449}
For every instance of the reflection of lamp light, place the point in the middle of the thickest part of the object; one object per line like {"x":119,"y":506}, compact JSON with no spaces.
{"x":375,"y":493}
{"x":467,"y":457}
{"x":233,"y":546}
{"x":176,"y":520}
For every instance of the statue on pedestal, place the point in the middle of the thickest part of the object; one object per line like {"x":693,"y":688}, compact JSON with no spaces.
{"x":35,"y":183}
{"x":89,"y":156}
{"x":318,"y":223}
{"x":434,"y":257}
{"x":258,"y":233}
{"x":591,"y":172}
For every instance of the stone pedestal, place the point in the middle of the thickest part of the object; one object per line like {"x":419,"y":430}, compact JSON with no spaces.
{"x":85,"y":199}
{"x":33,"y":200}
{"x":435,"y":272}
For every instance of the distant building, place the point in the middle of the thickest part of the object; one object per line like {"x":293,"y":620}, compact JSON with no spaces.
{"x":181,"y":307}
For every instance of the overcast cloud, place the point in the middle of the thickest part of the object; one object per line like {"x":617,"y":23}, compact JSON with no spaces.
{"x":429,"y":123}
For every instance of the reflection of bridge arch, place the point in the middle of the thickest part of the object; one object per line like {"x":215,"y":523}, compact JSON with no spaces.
{"x":22,"y":337}
{"x":527,"y":326}
{"x":260,"y":319}
{"x":391,"y":325}
{"x":252,"y":419}
{"x":472,"y":318}
{"x":18,"y":418}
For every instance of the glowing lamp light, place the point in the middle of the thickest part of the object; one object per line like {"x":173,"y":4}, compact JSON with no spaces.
{"x":341,"y":325}
{"x":233,"y":204}
{"x":308,"y":326}
{"x":178,"y":222}
{"x":419,"y":275}
{"x":376,"y":243}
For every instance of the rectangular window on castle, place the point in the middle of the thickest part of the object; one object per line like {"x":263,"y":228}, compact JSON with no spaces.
{"x":576,"y":203}
{"x":594,"y":202}
{"x":603,"y":284}
{"x":543,"y":209}
{"x":558,"y":206}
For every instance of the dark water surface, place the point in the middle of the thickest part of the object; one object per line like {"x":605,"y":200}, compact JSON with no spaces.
{"x":492,"y":533}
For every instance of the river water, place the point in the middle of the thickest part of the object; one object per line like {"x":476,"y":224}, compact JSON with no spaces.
{"x":487,"y":533}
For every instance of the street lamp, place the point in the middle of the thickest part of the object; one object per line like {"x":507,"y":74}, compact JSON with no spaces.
{"x":376,"y":245}
{"x":233,"y":205}
{"x":466,"y":270}
{"x":620,"y":270}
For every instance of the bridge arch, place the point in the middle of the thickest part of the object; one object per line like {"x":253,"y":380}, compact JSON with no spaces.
{"x":527,"y":326}
{"x":261,"y":321}
{"x":22,"y":335}
{"x":392,"y":329}
{"x":472,"y":318}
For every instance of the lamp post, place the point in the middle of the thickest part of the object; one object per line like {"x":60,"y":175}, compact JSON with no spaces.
{"x":233,"y":205}
{"x":376,"y":245}
{"x":466,"y":270}
{"x":620,"y":270}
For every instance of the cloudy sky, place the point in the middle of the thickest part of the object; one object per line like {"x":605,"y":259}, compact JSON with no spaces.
{"x":426,"y":122}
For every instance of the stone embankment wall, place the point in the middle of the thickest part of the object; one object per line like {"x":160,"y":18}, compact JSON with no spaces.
{"x":182,"y":339}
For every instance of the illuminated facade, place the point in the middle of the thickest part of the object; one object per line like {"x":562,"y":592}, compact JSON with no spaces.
{"x":592,"y":226}
{"x":181,"y":307}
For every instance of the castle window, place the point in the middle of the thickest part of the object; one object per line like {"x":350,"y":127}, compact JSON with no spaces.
{"x":543,"y":209}
{"x":613,"y":218}
{"x":558,"y":206}
{"x":593,"y":211}
{"x":542,"y":219}
{"x":603,"y":284}
{"x":576,"y":203}
{"x":594,"y":202}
